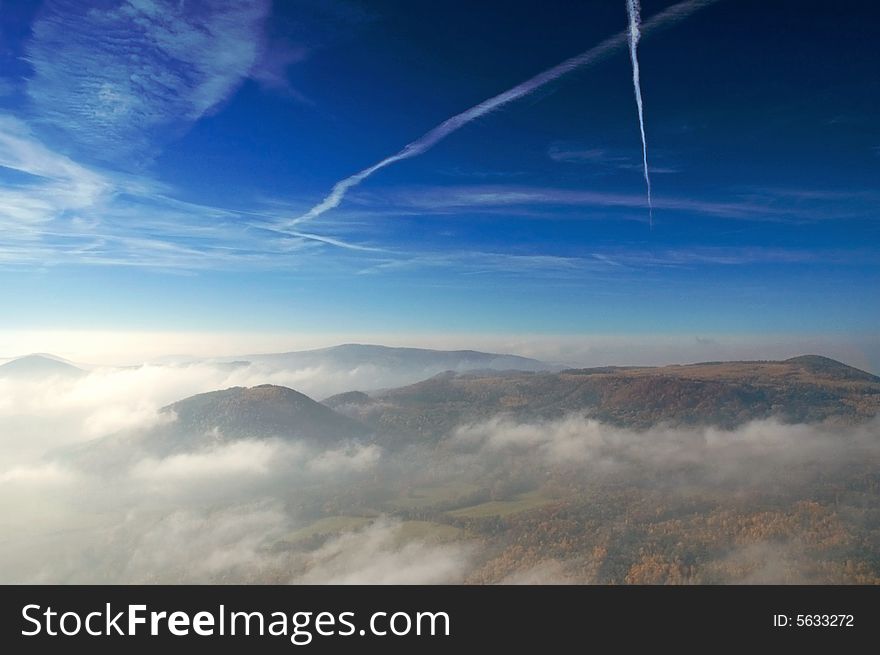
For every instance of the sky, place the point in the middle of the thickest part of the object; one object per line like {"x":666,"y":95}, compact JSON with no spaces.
{"x":161,"y":162}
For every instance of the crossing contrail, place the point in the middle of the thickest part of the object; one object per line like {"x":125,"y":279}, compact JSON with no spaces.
{"x":665,"y":18}
{"x":633,"y":8}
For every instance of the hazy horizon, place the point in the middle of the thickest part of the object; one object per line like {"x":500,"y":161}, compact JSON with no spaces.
{"x":123,"y":348}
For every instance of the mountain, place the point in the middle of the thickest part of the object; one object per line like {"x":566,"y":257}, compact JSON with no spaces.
{"x":348,"y":399}
{"x":405,"y":365}
{"x":726,"y":394}
{"x":831,"y":368}
{"x":217,"y":417}
{"x":263,"y":411}
{"x":39,"y":366}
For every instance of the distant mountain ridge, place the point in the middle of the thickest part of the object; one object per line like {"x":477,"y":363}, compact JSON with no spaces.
{"x":726,"y":394}
{"x":352,"y":355}
{"x":39,"y":366}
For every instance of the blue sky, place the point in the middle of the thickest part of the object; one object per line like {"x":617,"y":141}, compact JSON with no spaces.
{"x":155,"y":157}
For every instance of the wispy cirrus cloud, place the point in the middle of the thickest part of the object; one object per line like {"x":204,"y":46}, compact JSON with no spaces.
{"x":569,"y":154}
{"x":37,"y":187}
{"x":72,"y":185}
{"x":7,"y":87}
{"x":271,"y":70}
{"x":601,"y":157}
{"x":477,"y":197}
{"x":118,"y":80}
{"x":718,"y":256}
{"x":477,"y":262}
{"x":764,"y":205}
{"x":54,"y":210}
{"x":606,"y":262}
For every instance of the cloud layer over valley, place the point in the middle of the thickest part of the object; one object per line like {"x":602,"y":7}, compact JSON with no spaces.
{"x":99,"y":484}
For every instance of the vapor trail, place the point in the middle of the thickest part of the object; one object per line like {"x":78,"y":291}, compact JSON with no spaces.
{"x":633,"y":8}
{"x":666,"y":18}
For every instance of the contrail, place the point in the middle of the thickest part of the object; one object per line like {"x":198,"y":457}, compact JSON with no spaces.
{"x":666,"y":18}
{"x":334,"y":242}
{"x":634,"y":9}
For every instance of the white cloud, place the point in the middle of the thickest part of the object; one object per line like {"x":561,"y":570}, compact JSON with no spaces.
{"x":40,"y":415}
{"x":55,"y":210}
{"x":225,"y":545}
{"x":113,"y":78}
{"x":768,"y":206}
{"x":342,"y":460}
{"x":271,"y":71}
{"x":601,"y":157}
{"x":41,"y":474}
{"x":53,"y":184}
{"x":752,"y":453}
{"x":233,"y":460}
{"x":376,"y":555}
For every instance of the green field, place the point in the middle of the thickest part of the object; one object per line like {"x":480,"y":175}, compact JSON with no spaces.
{"x":433,"y":495}
{"x":521,"y":503}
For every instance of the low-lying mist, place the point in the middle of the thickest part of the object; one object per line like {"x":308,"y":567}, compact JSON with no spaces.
{"x":566,"y":500}
{"x":41,"y":413}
